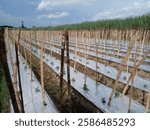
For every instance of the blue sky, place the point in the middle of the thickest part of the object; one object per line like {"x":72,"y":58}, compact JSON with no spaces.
{"x":56,"y":12}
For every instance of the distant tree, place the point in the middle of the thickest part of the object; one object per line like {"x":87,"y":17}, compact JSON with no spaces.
{"x":22,"y":24}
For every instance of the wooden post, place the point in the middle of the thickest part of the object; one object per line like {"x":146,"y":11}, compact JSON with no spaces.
{"x":18,"y":66}
{"x":76,"y":41}
{"x":85,"y":56}
{"x":30,"y":55}
{"x":96,"y":45}
{"x":62,"y":63}
{"x":148,"y":103}
{"x":41,"y":69}
{"x":68,"y":63}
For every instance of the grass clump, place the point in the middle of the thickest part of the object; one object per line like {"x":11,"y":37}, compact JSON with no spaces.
{"x":85,"y":88}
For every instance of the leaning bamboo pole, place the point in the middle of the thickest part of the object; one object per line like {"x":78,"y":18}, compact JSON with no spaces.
{"x":62,"y":64}
{"x":133,"y":74}
{"x":120,"y":69}
{"x":132,"y":80}
{"x":18,"y":68}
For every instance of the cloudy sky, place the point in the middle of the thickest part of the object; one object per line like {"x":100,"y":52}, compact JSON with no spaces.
{"x":56,"y":12}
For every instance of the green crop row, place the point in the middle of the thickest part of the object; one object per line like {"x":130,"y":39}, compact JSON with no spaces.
{"x":141,"y":22}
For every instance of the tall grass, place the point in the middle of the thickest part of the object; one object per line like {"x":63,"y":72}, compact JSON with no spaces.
{"x":141,"y":22}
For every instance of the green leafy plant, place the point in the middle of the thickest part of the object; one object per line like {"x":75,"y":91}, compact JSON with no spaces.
{"x":85,"y":88}
{"x":57,"y":67}
{"x":75,"y":71}
{"x":124,"y":78}
{"x":52,"y":63}
{"x":37,"y":89}
{"x":44,"y":103}
{"x":97,"y":67}
{"x":145,"y":86}
{"x":103,"y":100}
{"x":25,"y":67}
{"x":97,"y":84}
{"x":73,"y":80}
{"x":117,"y":94}
{"x":64,"y":72}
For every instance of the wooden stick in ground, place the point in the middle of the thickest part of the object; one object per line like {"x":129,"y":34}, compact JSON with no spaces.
{"x":134,"y":73}
{"x":18,"y":66}
{"x":41,"y":70}
{"x":131,"y":90}
{"x":30,"y":55}
{"x":68,"y":65}
{"x":62,"y":63}
{"x":51,"y":44}
{"x":147,"y":103}
{"x":96,"y":45}
{"x":85,"y":56}
{"x":76,"y":41}
{"x":120,"y":69}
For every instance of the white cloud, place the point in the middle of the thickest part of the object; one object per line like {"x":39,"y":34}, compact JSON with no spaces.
{"x":123,"y":12}
{"x":54,"y":16}
{"x":101,"y":15}
{"x":126,"y":8}
{"x":49,"y":4}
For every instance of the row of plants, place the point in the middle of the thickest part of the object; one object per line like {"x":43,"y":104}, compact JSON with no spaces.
{"x":140,"y":22}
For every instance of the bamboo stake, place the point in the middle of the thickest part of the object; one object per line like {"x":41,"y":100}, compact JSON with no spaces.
{"x":62,"y":63}
{"x":41,"y":70}
{"x":85,"y":56}
{"x":68,"y":65}
{"x":133,"y":74}
{"x":148,"y":103}
{"x":131,"y":91}
{"x":96,"y":43}
{"x":76,"y":41}
{"x":31,"y":55}
{"x":19,"y":77}
{"x":120,"y":69}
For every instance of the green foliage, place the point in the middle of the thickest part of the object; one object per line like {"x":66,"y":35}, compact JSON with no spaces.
{"x":44,"y":103}
{"x":128,"y":23}
{"x":25,"y":67}
{"x":73,"y":80}
{"x":103,"y":100}
{"x":4,"y":94}
{"x":37,"y":89}
{"x":85,"y":88}
{"x":117,"y":94}
{"x":145,"y":86}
